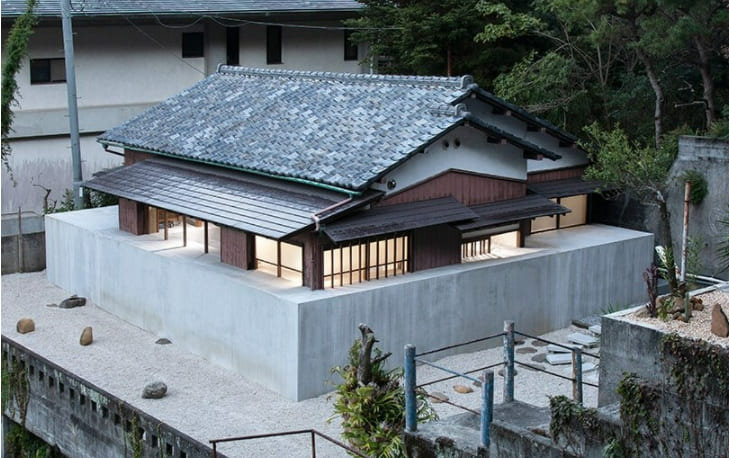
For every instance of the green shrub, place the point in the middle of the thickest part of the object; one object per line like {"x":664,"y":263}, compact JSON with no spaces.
{"x":371,"y":401}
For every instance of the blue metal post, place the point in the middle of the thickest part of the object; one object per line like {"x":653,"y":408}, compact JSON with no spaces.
{"x":508,"y":361}
{"x":487,"y":407}
{"x":411,"y":403}
{"x":577,"y":375}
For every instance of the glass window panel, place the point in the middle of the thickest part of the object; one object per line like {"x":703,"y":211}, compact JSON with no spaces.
{"x":578,"y":205}
{"x":291,"y":256}
{"x":266,"y":249}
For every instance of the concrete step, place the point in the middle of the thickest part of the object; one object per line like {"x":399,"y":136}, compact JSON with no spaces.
{"x":559,"y":358}
{"x":583,"y":339}
{"x":557,"y":349}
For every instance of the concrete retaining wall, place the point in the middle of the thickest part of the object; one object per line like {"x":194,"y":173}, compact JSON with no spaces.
{"x":24,"y":244}
{"x":288,"y":338}
{"x":86,"y":421}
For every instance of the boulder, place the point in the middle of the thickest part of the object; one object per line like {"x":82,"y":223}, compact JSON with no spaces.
{"x":525,"y":350}
{"x":719,"y":322}
{"x":87,"y":336}
{"x":463,"y":389}
{"x":71,"y":302}
{"x":154,"y":390}
{"x":25,"y":325}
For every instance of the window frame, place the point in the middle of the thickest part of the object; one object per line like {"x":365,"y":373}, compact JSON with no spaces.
{"x":351,"y":50}
{"x":274,"y":45}
{"x":193,"y":53}
{"x":50,"y":79}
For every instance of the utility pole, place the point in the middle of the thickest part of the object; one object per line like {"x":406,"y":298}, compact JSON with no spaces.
{"x":72,"y":106}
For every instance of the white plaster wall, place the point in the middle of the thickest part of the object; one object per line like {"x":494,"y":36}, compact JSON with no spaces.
{"x":570,"y":156}
{"x":475,"y":155}
{"x":289,"y":338}
{"x":200,"y":304}
{"x":302,"y":49}
{"x":47,"y":162}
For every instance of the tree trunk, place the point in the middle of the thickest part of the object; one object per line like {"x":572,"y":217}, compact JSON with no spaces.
{"x":668,"y":243}
{"x":658,"y":91}
{"x":705,"y":70}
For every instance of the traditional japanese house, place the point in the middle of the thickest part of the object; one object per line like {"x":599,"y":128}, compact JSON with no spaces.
{"x":330,"y":179}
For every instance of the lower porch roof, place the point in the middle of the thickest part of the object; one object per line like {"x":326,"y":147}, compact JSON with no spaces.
{"x":271,"y":208}
{"x":512,"y":211}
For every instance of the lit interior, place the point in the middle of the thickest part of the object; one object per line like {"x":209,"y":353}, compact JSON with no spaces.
{"x":359,"y":262}
{"x":267,"y":259}
{"x":494,"y":246}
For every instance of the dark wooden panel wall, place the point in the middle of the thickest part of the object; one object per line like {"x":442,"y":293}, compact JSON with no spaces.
{"x":133,"y":217}
{"x":131,"y":156}
{"x":467,"y":188}
{"x":434,"y":247}
{"x":551,"y":175}
{"x":237,"y":248}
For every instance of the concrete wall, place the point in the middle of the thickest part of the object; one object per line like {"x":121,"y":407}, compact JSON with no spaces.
{"x":289,"y":338}
{"x":24,"y":247}
{"x":84,"y":420}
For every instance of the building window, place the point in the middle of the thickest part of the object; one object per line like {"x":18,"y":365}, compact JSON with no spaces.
{"x":192,"y":44}
{"x":494,"y":245}
{"x":281,"y":259}
{"x":577,"y":217}
{"x":351,"y":49}
{"x":369,"y":260}
{"x":232,"y":46}
{"x":43,"y":71}
{"x":273,"y":44}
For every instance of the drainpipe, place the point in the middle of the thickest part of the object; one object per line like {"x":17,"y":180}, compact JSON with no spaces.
{"x":315,"y":216}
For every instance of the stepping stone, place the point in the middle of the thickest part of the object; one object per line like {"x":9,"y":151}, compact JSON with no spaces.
{"x":163,"y":341}
{"x":559,"y":358}
{"x":525,"y":350}
{"x":437,"y":397}
{"x":463,"y":389}
{"x":539,"y":343}
{"x":587,"y":321}
{"x":586,"y":367}
{"x":518,"y":341}
{"x":533,"y":367}
{"x":557,"y":349}
{"x":583,"y":339}
{"x":539,"y":358}
{"x":501,"y":372}
{"x":595,"y":329}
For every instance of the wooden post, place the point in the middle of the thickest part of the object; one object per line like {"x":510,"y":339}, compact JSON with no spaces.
{"x":165,"y":218}
{"x":184,"y":230}
{"x":206,"y":236}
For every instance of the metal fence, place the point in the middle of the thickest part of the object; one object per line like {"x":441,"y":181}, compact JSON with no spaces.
{"x":487,"y":398}
{"x":311,"y":432}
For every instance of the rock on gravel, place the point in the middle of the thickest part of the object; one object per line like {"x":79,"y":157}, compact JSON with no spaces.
{"x":719,"y":322}
{"x":154,"y":390}
{"x":87,"y":336}
{"x":25,"y":325}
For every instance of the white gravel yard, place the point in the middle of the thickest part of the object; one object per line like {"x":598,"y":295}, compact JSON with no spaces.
{"x":206,"y":401}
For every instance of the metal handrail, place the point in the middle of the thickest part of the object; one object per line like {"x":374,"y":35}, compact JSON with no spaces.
{"x":312,"y":432}
{"x":449,"y":347}
{"x":566,"y":347}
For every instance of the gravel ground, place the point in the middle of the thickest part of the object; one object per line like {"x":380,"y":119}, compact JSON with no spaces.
{"x":699,"y":326}
{"x":206,"y":401}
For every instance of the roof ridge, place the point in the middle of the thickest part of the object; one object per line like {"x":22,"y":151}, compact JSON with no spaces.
{"x":464,"y":82}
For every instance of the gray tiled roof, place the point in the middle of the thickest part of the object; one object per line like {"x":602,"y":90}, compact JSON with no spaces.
{"x":51,"y":8}
{"x":342,"y":130}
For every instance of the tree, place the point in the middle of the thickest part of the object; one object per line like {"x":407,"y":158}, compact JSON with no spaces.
{"x":15,"y":50}
{"x":371,"y":400}
{"x":639,"y":170}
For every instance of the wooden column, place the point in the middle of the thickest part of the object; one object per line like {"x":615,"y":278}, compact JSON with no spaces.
{"x":525,"y":228}
{"x":313,"y":275}
{"x":237,"y":248}
{"x":206,"y":236}
{"x":133,"y":217}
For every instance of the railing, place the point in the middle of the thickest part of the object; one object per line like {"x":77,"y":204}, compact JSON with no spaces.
{"x":487,"y":387}
{"x":509,"y":363}
{"x":312,"y":432}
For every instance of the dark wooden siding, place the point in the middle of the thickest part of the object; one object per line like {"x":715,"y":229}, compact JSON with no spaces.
{"x":467,"y":188}
{"x":313,"y":275}
{"x":237,"y":248}
{"x":133,"y":217}
{"x":434,"y":247}
{"x":131,"y":156}
{"x":561,"y":174}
